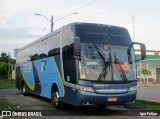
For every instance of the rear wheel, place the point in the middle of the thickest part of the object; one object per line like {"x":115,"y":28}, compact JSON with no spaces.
{"x":24,"y":90}
{"x":56,"y":99}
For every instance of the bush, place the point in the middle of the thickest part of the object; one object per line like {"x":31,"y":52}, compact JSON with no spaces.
{"x":3,"y":69}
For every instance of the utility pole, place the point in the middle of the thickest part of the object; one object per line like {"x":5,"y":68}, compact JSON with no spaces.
{"x":9,"y":66}
{"x":52,"y":23}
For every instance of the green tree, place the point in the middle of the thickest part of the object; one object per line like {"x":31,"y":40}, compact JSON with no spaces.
{"x":4,"y":56}
{"x":6,"y":65}
{"x":3,"y":69}
{"x":145,"y":73}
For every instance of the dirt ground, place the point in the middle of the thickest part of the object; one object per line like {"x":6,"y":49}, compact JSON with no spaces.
{"x":37,"y":103}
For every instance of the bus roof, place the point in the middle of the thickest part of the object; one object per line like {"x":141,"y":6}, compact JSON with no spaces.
{"x":66,"y":26}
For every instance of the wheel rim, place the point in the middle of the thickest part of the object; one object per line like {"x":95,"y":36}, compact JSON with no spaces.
{"x":56,"y":98}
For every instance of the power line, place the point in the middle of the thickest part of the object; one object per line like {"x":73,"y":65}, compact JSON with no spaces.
{"x":89,"y":3}
{"x":78,"y":8}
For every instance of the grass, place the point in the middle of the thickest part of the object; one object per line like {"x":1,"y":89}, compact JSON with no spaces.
{"x":7,"y":83}
{"x":145,"y":105}
{"x":5,"y":105}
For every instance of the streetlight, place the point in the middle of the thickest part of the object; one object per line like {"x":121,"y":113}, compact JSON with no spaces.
{"x":52,"y":22}
{"x":66,"y":16}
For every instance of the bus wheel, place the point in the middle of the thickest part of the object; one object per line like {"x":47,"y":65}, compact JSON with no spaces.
{"x":24,"y":90}
{"x":56,"y":99}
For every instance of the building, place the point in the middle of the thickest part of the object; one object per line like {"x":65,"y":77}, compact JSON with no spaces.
{"x":152,"y":63}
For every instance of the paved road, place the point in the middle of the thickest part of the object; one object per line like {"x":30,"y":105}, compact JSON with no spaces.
{"x":37,"y":103}
{"x":152,"y":92}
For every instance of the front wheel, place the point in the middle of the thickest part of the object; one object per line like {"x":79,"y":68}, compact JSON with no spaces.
{"x":55,"y":100}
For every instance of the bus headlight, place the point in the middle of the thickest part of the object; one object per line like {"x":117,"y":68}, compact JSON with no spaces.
{"x":86,"y":88}
{"x":133,"y":88}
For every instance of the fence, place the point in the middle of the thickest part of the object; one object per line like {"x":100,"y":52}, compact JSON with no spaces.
{"x":148,"y":73}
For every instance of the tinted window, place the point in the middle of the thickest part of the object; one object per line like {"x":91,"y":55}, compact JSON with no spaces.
{"x":103,"y":34}
{"x":69,"y":64}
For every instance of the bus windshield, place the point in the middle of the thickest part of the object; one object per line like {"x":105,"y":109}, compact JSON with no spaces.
{"x":104,"y":62}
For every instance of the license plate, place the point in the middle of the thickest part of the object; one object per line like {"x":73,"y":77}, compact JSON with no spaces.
{"x":112,"y":99}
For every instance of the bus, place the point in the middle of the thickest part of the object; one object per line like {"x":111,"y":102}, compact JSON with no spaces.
{"x":81,"y":64}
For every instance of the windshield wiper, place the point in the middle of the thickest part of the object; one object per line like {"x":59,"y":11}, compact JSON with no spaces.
{"x":120,"y":69}
{"x":103,"y":73}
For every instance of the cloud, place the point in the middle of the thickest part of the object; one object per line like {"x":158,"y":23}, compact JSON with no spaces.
{"x":19,"y":26}
{"x":9,"y":8}
{"x":17,"y":33}
{"x":16,"y":38}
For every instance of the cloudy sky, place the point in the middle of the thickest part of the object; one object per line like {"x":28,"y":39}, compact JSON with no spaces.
{"x":19,"y":26}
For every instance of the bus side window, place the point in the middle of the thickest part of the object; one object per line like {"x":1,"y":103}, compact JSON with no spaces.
{"x":69,"y":64}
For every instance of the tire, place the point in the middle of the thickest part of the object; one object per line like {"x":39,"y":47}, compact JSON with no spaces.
{"x":24,"y":90}
{"x":55,"y":100}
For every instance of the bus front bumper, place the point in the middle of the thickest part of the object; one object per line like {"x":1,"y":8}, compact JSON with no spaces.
{"x":88,"y":98}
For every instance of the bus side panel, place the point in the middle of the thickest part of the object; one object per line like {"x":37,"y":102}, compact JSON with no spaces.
{"x":61,"y":82}
{"x":19,"y":78}
{"x":39,"y":75}
{"x":70,"y":96}
{"x":38,"y":88}
{"x":48,"y":73}
{"x":28,"y":75}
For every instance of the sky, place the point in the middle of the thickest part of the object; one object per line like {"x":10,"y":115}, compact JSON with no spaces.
{"x":19,"y":25}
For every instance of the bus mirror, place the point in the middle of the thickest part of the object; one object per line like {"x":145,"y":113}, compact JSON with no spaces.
{"x":76,"y":46}
{"x":143,"y":51}
{"x":138,"y":47}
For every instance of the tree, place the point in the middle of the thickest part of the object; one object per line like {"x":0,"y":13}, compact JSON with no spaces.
{"x":5,"y":65}
{"x":3,"y":69}
{"x":4,"y":56}
{"x":145,"y":73}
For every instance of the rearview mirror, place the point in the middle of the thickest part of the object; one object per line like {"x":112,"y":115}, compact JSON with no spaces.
{"x":143,"y":51}
{"x":77,"y":46}
{"x":140,"y":47}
